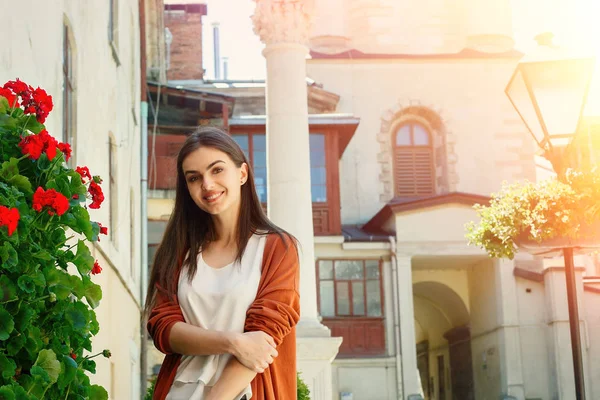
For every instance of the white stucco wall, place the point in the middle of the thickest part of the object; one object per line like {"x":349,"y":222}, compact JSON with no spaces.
{"x":484,"y":339}
{"x":486,"y":136}
{"x":592,"y":328}
{"x":444,"y":223}
{"x":107,"y":102}
{"x":533,"y":328}
{"x":373,"y":379}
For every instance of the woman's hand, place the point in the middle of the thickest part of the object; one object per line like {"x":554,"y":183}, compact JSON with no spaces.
{"x":255,"y":350}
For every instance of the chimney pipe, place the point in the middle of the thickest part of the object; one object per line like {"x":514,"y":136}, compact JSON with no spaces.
{"x":225,"y":68}
{"x":217,"y":50}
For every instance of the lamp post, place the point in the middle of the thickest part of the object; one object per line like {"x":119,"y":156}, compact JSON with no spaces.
{"x":549,"y":91}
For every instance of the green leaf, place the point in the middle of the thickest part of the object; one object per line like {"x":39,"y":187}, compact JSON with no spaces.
{"x":67,"y":372}
{"x":94,"y":327}
{"x":76,"y":317}
{"x":24,"y":317}
{"x":33,"y":125}
{"x":75,"y":184}
{"x":8,"y":290}
{"x":39,"y":279}
{"x":61,"y":184}
{"x":7,"y":366}
{"x":43,"y":163}
{"x":93,"y":292}
{"x":15,"y":344}
{"x":83,"y":259}
{"x":98,"y":393}
{"x":9,"y":257}
{"x":21,"y":394}
{"x":89,"y":365}
{"x":4,"y":105}
{"x":48,"y":362}
{"x":6,"y":392}
{"x":40,"y":375}
{"x":7,"y":123}
{"x":9,"y":169}
{"x":26,"y":284}
{"x":7,"y":324}
{"x":59,"y":282}
{"x":34,"y":342}
{"x":21,"y":182}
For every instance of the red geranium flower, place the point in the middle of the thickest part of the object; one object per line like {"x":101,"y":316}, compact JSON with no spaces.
{"x":84,"y":172}
{"x":18,"y":87}
{"x":66,"y":150}
{"x":97,"y":196}
{"x":13,"y":100}
{"x":103,"y":229}
{"x":50,"y":198}
{"x":34,"y":101}
{"x":32,"y":145}
{"x":43,"y":142}
{"x":50,"y":144}
{"x":42,"y":104}
{"x":9,"y":217}
{"x":97,"y":268}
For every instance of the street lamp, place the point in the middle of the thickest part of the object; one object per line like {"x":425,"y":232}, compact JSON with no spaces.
{"x":549,"y":91}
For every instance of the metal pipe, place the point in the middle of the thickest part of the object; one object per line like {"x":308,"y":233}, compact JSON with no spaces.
{"x":143,"y":186}
{"x":574,"y":324}
{"x":399,"y":379}
{"x":217,"y":50}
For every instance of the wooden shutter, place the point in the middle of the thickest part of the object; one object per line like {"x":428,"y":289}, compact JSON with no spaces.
{"x":414,"y":171}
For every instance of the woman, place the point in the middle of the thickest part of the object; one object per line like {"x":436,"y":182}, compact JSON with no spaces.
{"x":223,"y":296}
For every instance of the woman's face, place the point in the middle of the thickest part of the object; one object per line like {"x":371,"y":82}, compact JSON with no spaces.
{"x":213,"y":180}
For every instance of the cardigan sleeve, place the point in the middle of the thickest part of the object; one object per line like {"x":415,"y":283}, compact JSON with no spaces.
{"x":163,"y":316}
{"x":276,"y":309}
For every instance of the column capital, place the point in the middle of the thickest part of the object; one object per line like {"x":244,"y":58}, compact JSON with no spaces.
{"x":283,"y":21}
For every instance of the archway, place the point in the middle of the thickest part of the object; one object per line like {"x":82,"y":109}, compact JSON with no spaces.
{"x":443,"y":342}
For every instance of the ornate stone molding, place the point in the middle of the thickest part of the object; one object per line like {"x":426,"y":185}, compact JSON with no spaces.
{"x":443,"y":141}
{"x":283,"y":21}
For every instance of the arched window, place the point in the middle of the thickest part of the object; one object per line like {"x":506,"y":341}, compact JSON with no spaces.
{"x":414,"y":170}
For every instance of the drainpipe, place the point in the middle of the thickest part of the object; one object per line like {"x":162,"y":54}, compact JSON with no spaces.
{"x":143,"y":199}
{"x":399,"y":379}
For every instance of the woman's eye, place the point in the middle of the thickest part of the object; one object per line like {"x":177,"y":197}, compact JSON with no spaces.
{"x":193,"y":179}
{"x":217,"y":170}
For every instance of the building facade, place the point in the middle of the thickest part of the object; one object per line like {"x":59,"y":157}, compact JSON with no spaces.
{"x":408,"y":128}
{"x":87,"y":56}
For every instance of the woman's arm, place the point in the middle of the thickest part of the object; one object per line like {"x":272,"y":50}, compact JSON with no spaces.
{"x":233,"y":380}
{"x":172,"y":334}
{"x":275,"y":311}
{"x":192,"y":340}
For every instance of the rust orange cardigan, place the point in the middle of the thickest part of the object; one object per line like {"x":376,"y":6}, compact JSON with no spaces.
{"x":275,"y":311}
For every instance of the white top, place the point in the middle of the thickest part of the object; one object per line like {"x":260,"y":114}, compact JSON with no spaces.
{"x":216,"y":299}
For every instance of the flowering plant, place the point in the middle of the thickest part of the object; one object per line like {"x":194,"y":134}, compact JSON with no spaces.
{"x":556,"y":212}
{"x":46,"y":313}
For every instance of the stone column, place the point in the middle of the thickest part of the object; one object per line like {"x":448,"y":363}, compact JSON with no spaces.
{"x":509,"y":339}
{"x":283,"y":26}
{"x":558,"y":320}
{"x":408,"y":346}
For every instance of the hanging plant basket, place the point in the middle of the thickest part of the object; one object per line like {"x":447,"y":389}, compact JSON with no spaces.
{"x":586,"y":241}
{"x":541,"y":218}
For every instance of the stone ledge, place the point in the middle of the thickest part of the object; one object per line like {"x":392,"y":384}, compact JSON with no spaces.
{"x":317,"y":348}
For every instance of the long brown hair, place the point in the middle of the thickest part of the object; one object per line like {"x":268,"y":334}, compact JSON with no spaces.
{"x":189,"y":227}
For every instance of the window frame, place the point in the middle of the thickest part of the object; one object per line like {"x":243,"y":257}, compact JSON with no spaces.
{"x":68,"y":101}
{"x":351,"y":315}
{"x":113,"y":29}
{"x":328,"y":213}
{"x":113,"y":171}
{"x":413,"y":148}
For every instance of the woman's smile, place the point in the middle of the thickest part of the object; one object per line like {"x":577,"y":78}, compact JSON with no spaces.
{"x":212,"y":197}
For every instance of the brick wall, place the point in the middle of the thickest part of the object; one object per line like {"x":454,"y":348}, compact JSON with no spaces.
{"x":186,"y":47}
